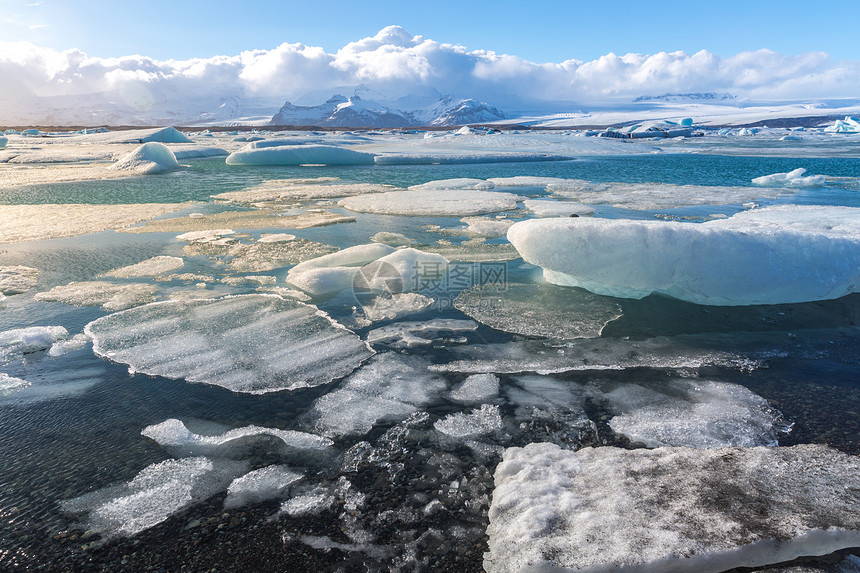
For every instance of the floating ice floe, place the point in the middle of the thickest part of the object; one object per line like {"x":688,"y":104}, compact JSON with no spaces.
{"x":766,"y":256}
{"x":158,"y":134}
{"x":695,"y":413}
{"x":148,"y":159}
{"x":205,"y":236}
{"x":392,"y":239}
{"x":49,"y":380}
{"x":548,"y":208}
{"x":432,"y":202}
{"x":248,"y":343}
{"x":395,"y":306}
{"x":300,"y":155}
{"x":524,"y":181}
{"x":411,"y":334}
{"x":300,"y":190}
{"x":17,"y":279}
{"x":648,"y":196}
{"x":260,"y":485}
{"x":795,"y":178}
{"x":669,"y":509}
{"x":465,"y":157}
{"x":20,"y":341}
{"x":109,"y":296}
{"x":486,"y":227}
{"x":475,"y":389}
{"x":539,"y":310}
{"x":148,"y":268}
{"x":38,"y":222}
{"x":473,"y":251}
{"x":156,"y":493}
{"x":3,"y":141}
{"x":246,"y":219}
{"x":61,"y":347}
{"x":173,"y":432}
{"x":388,"y":388}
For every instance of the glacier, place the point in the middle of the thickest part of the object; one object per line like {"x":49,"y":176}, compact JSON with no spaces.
{"x":773,"y":255}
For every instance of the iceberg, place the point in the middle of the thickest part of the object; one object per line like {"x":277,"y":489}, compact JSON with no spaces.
{"x":779,"y":254}
{"x":148,"y":159}
{"x":300,"y":155}
{"x":443,"y":202}
{"x":670,"y":509}
{"x":795,"y":178}
{"x":247,"y":343}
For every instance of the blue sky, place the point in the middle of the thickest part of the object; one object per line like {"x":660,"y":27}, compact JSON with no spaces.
{"x":540,"y":31}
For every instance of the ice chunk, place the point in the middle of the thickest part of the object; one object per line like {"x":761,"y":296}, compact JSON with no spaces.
{"x":38,"y":222}
{"x":253,"y":219}
{"x":539,"y":310}
{"x":481,"y":421}
{"x":447,"y":184}
{"x":486,"y":227}
{"x":249,"y":343}
{"x":696,"y":413}
{"x":647,"y":196}
{"x":388,"y":388}
{"x":276,"y":238}
{"x":30,"y":339}
{"x":17,"y":279}
{"x":148,"y":268}
{"x":156,"y":493}
{"x":61,"y":347}
{"x":198,"y":151}
{"x":794,"y":178}
{"x":475,"y":389}
{"x":670,"y":509}
{"x":148,"y":159}
{"x":173,"y":432}
{"x":205,"y":236}
{"x":300,"y":190}
{"x":524,"y":181}
{"x":300,"y":155}
{"x":11,"y":384}
{"x":432,"y":202}
{"x":395,"y":306}
{"x":766,"y":256}
{"x":260,"y":485}
{"x":410,"y":334}
{"x":546,"y":208}
{"x":465,"y":157}
{"x":392,"y":239}
{"x":109,"y":296}
{"x":334,"y":272}
{"x":473,"y":251}
{"x":847,"y":125}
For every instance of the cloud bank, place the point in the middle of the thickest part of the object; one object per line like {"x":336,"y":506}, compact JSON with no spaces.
{"x":69,"y":86}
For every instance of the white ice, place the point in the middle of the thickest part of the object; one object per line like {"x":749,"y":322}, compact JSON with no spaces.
{"x":388,"y":388}
{"x":475,"y":389}
{"x":486,"y":227}
{"x":109,"y":296}
{"x":30,"y":339}
{"x":280,"y":190}
{"x":424,"y":333}
{"x":395,"y":306}
{"x":248,"y":343}
{"x":548,"y":208}
{"x":432,"y":202}
{"x":765,"y":256}
{"x":156,"y":493}
{"x":795,"y":178}
{"x":148,"y":159}
{"x":148,"y":268}
{"x":479,"y":422}
{"x":11,"y":384}
{"x":17,"y":279}
{"x":260,"y":485}
{"x":173,"y":432}
{"x":300,"y":155}
{"x":670,"y":509}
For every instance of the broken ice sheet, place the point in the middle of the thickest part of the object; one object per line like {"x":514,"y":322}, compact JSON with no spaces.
{"x":389,"y":387}
{"x":300,"y":189}
{"x":670,"y":509}
{"x":110,"y":296}
{"x":539,"y":310}
{"x":148,"y":268}
{"x":260,"y":485}
{"x":248,"y":343}
{"x":696,"y":413}
{"x":156,"y":493}
{"x":426,"y":202}
{"x":173,"y":432}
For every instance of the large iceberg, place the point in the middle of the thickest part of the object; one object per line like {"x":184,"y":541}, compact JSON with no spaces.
{"x":300,"y":155}
{"x":670,"y":509}
{"x":150,"y":158}
{"x":247,"y":343}
{"x":774,"y":255}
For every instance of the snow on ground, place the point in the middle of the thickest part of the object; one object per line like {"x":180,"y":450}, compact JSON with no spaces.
{"x":765,"y":256}
{"x":669,"y":509}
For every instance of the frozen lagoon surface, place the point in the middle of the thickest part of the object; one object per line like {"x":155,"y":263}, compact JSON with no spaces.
{"x":192,"y":401}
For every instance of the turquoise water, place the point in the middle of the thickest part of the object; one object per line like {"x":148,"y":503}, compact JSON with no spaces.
{"x":62,"y":446}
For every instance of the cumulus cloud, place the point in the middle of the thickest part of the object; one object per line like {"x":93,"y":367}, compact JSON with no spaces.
{"x":38,"y":81}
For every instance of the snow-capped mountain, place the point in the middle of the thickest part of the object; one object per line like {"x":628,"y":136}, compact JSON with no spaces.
{"x":410,"y":110}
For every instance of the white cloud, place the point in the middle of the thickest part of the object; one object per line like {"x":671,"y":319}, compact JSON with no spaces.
{"x":395,"y":59}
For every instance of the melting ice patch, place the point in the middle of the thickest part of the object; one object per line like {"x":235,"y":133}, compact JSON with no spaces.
{"x":424,"y":333}
{"x":260,"y":485}
{"x":670,"y":509}
{"x":479,"y":422}
{"x":148,"y":268}
{"x":109,"y":296}
{"x":300,"y":155}
{"x":156,"y":493}
{"x":795,"y":178}
{"x":300,"y":190}
{"x":549,"y":208}
{"x":148,"y":159}
{"x":18,"y":341}
{"x":539,"y":310}
{"x":388,"y":388}
{"x":17,"y":279}
{"x":173,"y":432}
{"x":475,"y":389}
{"x":648,"y":196}
{"x":695,"y":413}
{"x":765,"y":256}
{"x":247,"y":343}
{"x":444,"y":202}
